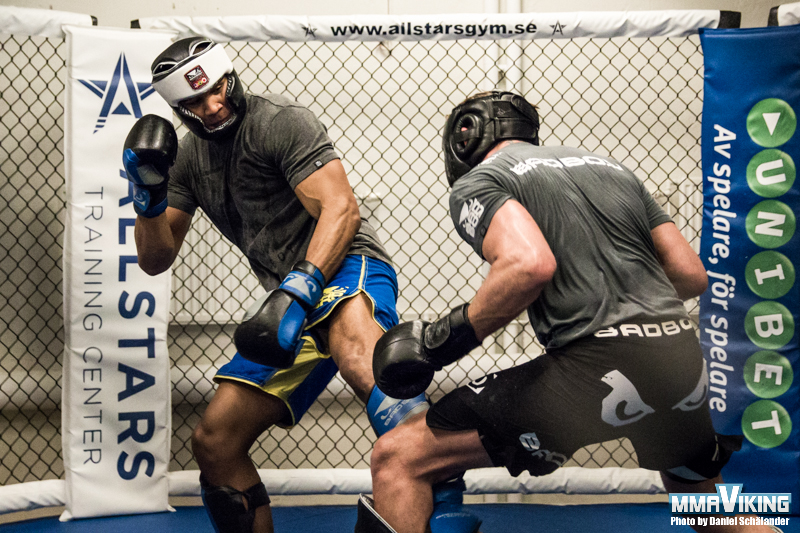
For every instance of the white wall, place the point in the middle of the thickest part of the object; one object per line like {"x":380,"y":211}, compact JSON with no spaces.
{"x":119,"y":13}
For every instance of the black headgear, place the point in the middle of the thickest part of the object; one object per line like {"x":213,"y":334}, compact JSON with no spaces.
{"x":191,"y":67}
{"x":475,"y":126}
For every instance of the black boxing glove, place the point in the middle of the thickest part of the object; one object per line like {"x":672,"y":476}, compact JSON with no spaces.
{"x":149,"y":151}
{"x":407,"y":355}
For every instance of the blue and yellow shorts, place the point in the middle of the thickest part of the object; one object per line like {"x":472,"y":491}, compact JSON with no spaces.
{"x":299,"y":385}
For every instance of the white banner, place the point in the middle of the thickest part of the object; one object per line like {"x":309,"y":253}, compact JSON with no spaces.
{"x":482,"y":26}
{"x":116,"y":383}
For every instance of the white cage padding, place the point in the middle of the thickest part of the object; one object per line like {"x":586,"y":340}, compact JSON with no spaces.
{"x":607,"y":24}
{"x":570,"y":480}
{"x":39,"y":22}
{"x":789,"y":14}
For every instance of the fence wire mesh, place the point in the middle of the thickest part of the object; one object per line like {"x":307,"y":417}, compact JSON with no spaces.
{"x":31,"y":236}
{"x":384,"y":104}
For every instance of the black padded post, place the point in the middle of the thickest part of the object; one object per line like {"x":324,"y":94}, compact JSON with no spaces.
{"x":772,"y":20}
{"x":730,"y":19}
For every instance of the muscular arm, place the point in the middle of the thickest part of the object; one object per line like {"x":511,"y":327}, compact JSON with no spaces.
{"x":159,"y":239}
{"x":683,"y":266}
{"x":327,"y":195}
{"x":521,"y":265}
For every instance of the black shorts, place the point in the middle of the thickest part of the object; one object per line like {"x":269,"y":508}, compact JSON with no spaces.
{"x":650,"y":388}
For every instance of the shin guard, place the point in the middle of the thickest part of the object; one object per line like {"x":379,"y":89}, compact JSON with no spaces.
{"x":385,"y":412}
{"x":226,"y":506}
{"x":449,"y":514}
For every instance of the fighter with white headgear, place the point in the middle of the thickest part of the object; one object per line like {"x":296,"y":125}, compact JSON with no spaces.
{"x":190,"y":68}
{"x":264,"y":171}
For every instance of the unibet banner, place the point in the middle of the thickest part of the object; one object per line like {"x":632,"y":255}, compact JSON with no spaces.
{"x":116,"y":384}
{"x":749,"y":314}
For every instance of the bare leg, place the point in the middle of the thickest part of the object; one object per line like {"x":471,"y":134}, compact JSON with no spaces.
{"x":408,"y":460}
{"x":352,"y":334}
{"x":221,"y":442}
{"x":708,"y":486}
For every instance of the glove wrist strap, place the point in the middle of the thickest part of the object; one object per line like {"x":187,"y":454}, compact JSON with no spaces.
{"x":150,"y":201}
{"x":450,"y":338}
{"x":305,"y":282}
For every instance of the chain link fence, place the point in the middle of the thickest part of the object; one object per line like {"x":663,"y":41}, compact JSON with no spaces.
{"x":384,"y":104}
{"x":31,"y":236}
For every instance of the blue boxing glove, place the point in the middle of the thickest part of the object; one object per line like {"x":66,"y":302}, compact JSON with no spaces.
{"x":148,"y":153}
{"x":407,"y":355}
{"x":271,"y":336}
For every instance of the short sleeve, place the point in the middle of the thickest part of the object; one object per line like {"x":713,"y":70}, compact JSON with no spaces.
{"x":299,"y":143}
{"x":179,"y":193}
{"x":474,"y":200}
{"x":655,"y":214}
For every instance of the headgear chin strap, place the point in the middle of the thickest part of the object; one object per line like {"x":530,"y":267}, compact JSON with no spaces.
{"x":478,"y":124}
{"x":191,"y":67}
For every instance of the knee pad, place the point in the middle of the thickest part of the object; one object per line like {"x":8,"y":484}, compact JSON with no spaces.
{"x":710,"y":464}
{"x":226,"y":506}
{"x":386,"y":413}
{"x":368,"y":520}
{"x":449,"y":514}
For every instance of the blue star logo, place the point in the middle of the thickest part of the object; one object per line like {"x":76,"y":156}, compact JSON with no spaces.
{"x":107,"y":92}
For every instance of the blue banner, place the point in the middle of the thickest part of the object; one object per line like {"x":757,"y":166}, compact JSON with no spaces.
{"x":749,"y":314}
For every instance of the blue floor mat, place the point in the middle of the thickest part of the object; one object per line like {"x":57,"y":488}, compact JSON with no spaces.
{"x":497,"y":518}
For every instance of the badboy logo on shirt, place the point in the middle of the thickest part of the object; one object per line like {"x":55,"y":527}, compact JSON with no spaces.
{"x":471,"y":213}
{"x":530,"y":164}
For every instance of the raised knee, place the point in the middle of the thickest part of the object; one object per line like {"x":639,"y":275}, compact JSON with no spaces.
{"x":393,"y":454}
{"x":200,"y":442}
{"x":381,"y":454}
{"x":209,"y":444}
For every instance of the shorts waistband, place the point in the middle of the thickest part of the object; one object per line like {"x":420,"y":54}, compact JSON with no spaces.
{"x":646,"y":327}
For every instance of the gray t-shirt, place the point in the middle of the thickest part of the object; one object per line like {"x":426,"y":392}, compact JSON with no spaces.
{"x":596,"y":215}
{"x":245,"y":184}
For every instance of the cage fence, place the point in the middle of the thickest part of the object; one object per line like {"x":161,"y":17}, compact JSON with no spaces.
{"x":638,"y":100}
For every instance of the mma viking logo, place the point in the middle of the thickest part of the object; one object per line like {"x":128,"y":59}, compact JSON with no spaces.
{"x":197,"y":78}
{"x":107,"y":92}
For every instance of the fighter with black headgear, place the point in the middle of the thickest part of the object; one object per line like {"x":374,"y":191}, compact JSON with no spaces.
{"x":577,"y":241}
{"x":472,"y":130}
{"x":264,"y":171}
{"x":477,"y":125}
